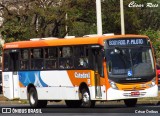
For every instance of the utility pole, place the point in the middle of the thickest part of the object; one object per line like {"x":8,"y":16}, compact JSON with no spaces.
{"x":66,"y":27}
{"x":99,"y":17}
{"x":122,"y":18}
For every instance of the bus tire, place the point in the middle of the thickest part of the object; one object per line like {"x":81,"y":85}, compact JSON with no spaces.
{"x":130,"y":102}
{"x":73,"y":103}
{"x":33,"y":99}
{"x":86,"y":99}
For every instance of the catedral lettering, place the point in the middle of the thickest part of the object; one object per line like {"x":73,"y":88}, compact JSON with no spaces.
{"x":80,"y":71}
{"x":82,"y":75}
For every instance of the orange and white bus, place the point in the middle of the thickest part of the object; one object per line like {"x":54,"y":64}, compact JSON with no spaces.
{"x":80,"y":70}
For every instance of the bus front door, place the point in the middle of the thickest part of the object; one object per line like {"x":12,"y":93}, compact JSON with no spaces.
{"x":97,"y":86}
{"x":97,"y":75}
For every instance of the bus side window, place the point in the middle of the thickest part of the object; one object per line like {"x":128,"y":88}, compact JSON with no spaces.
{"x":24,"y":60}
{"x":51,"y":55}
{"x":100,"y":63}
{"x":6,"y":60}
{"x":81,"y":57}
{"x":66,"y":52}
{"x":65,"y":58}
{"x":83,"y":62}
{"x":37,"y":62}
{"x":14,"y":60}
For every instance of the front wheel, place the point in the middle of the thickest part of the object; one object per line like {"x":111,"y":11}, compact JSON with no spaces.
{"x":86,"y":99}
{"x":33,"y":99}
{"x":130,"y":102}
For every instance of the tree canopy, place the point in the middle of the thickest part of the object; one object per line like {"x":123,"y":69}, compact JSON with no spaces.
{"x":25,"y":19}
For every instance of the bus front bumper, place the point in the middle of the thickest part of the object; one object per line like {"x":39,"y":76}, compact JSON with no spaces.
{"x":113,"y":94}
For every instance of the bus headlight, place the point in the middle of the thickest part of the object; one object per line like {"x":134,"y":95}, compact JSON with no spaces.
{"x":153,"y":82}
{"x":113,"y":84}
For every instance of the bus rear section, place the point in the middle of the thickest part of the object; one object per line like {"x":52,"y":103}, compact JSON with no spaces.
{"x":10,"y":75}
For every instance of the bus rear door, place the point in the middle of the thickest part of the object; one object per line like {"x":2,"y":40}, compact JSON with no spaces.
{"x":15,"y":64}
{"x":11,"y":79}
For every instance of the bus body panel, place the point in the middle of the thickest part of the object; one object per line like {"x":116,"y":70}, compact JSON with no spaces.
{"x":16,"y":85}
{"x":10,"y":85}
{"x":61,"y":93}
{"x":58,"y":93}
{"x":66,"y":93}
{"x":23,"y":93}
{"x":58,"y":84}
{"x":55,"y":78}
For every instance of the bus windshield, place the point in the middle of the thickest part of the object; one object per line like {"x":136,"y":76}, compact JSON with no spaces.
{"x":130,"y":63}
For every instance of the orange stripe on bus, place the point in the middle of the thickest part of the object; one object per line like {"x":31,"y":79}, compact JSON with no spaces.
{"x":21,"y":85}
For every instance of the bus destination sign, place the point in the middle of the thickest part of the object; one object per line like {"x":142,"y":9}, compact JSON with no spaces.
{"x":127,"y":42}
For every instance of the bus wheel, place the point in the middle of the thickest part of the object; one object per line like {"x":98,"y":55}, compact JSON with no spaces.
{"x":73,"y":103}
{"x":33,"y":99}
{"x":86,"y":99}
{"x":130,"y":102}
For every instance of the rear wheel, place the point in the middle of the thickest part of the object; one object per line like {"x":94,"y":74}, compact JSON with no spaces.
{"x":86,"y":99}
{"x":33,"y":99}
{"x":130,"y":102}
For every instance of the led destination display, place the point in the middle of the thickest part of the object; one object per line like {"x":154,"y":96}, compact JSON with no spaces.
{"x":127,"y":42}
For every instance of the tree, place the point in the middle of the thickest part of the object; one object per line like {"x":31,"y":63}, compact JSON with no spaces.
{"x":34,"y":18}
{"x":44,"y":18}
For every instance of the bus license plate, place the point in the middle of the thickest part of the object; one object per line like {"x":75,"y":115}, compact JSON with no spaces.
{"x":135,"y":93}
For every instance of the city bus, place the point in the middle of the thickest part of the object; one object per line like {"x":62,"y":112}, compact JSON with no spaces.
{"x":80,"y":70}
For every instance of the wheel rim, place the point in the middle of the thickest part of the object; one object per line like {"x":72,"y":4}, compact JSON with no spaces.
{"x":32,"y":98}
{"x":86,"y":98}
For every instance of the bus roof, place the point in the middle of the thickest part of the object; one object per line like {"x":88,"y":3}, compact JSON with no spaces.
{"x":66,"y":42}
